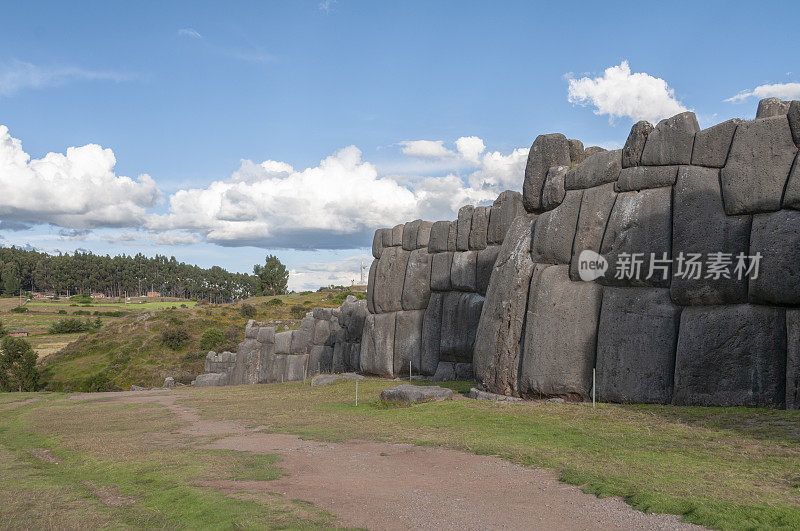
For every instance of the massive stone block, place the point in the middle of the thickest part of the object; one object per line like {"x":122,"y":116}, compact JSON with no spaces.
{"x":351,"y":317}
{"x":461,"y":313}
{"x":283,"y":342}
{"x":478,"y":229}
{"x":642,"y":177}
{"x":596,"y":206}
{"x":389,"y":278}
{"x":410,"y":231}
{"x":301,"y":338}
{"x":794,"y":121}
{"x":793,"y":359}
{"x":731,"y":356}
{"x":555,"y":231}
{"x":377,"y":242}
{"x":485,"y":265}
{"x":397,"y":235}
{"x":431,"y":335}
{"x":546,"y":151}
{"x":671,"y":141}
{"x":553,"y":190}
{"x":315,"y":359}
{"x":505,"y":208}
{"x":576,"y":151}
{"x":424,"y":234}
{"x":556,"y":362}
{"x":464,"y":224}
{"x":387,"y":238}
{"x":636,"y":341}
{"x":440,"y":234}
{"x":440,"y":271}
{"x":373,"y":270}
{"x":771,"y":107}
{"x":600,"y":168}
{"x":634,"y":145}
{"x":417,"y":286}
{"x":593,"y":150}
{"x":266,"y":355}
{"x":463,"y":272}
{"x":700,"y":226}
{"x":377,"y":345}
{"x":791,"y":196}
{"x":295,"y":367}
{"x":279,"y":368}
{"x":776,"y":237}
{"x":498,"y":339}
{"x":408,"y":342}
{"x":640,"y":223}
{"x":711,"y":146}
{"x":758,"y":166}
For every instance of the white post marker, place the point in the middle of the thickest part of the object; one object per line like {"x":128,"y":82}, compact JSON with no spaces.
{"x":594,"y":385}
{"x":356,"y":392}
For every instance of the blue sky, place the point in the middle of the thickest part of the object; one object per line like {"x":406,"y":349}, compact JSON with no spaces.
{"x":335,"y":97}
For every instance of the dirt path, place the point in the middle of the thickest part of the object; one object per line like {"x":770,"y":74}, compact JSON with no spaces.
{"x":399,"y":486}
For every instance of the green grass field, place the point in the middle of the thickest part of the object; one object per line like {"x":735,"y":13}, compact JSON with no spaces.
{"x":134,"y":306}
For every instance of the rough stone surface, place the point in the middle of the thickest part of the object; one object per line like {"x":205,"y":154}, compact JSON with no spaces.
{"x":387,"y":238}
{"x":169,"y":382}
{"x":505,"y":208}
{"x":576,"y":151}
{"x":793,"y":359}
{"x":440,"y":234}
{"x":731,"y":356}
{"x":283,"y":342}
{"x":424,"y":234}
{"x":408,"y":341}
{"x":671,"y":141}
{"x":711,"y":146}
{"x":485,"y":264}
{"x":771,"y":107}
{"x":461,"y":313}
{"x":445,"y":372}
{"x":377,"y":242}
{"x":641,"y":177}
{"x":377,"y":345}
{"x":636,"y":341}
{"x":431,"y":335}
{"x":441,"y":264}
{"x":758,"y":166}
{"x":546,"y":151}
{"x":410,"y":231}
{"x":497,"y":341}
{"x":295,"y":367}
{"x":634,"y":145}
{"x":794,"y":121}
{"x":699,"y":225}
{"x":556,"y":362}
{"x":463,"y":272}
{"x":389,"y":280}
{"x":596,"y":206}
{"x":266,"y":334}
{"x":593,"y":150}
{"x":553,"y":190}
{"x":478,"y":229}
{"x":640,"y":222}
{"x":322,"y":332}
{"x":477,"y":394}
{"x":791,"y":197}
{"x":464,"y":371}
{"x":208,"y":380}
{"x":600,"y":168}
{"x":327,"y":379}
{"x":555,"y":231}
{"x":776,"y":237}
{"x":397,"y":235}
{"x":373,"y":270}
{"x":417,"y":285}
{"x":411,"y":394}
{"x":464,"y":225}
{"x":452,"y":238}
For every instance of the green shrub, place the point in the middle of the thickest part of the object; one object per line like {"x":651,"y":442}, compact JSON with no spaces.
{"x":19,"y":309}
{"x":340,"y":297}
{"x":83,"y":298}
{"x":72,"y":325}
{"x":62,"y":312}
{"x":248,"y":310}
{"x":175,"y":337}
{"x":211,"y":339}
{"x":297,"y":311}
{"x":274,"y":302}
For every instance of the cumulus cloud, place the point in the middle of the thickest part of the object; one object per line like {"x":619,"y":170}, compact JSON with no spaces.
{"x":426,"y":149}
{"x":18,"y":75}
{"x":74,"y":190}
{"x":470,"y":148}
{"x":620,"y":93}
{"x":174,"y":238}
{"x":784,"y":91}
{"x":343,"y":272}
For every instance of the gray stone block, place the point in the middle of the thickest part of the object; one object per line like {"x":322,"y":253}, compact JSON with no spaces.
{"x":700,"y":225}
{"x":498,"y":339}
{"x":387,"y":238}
{"x":373,"y":270}
{"x":576,"y":151}
{"x":794,"y":121}
{"x":424,"y":234}
{"x":301,"y":338}
{"x":322,"y":332}
{"x":412,"y":394}
{"x":315,"y":360}
{"x":452,"y":238}
{"x":546,"y":151}
{"x":634,"y":145}
{"x":440,"y":233}
{"x":711,"y":146}
{"x":250,"y":330}
{"x":408,"y":342}
{"x":593,"y":150}
{"x":776,"y":237}
{"x":771,"y":107}
{"x":596,"y":206}
{"x":389,"y":280}
{"x":441,"y":264}
{"x":279,"y":368}
{"x":601,"y":168}
{"x":671,"y":141}
{"x":211,"y":380}
{"x":431,"y":335}
{"x":642,"y":177}
{"x":461,"y":313}
{"x":410,"y":231}
{"x":377,"y":345}
{"x":791,"y":196}
{"x":555,"y":363}
{"x":295,"y":367}
{"x":464,"y":224}
{"x":553,"y":191}
{"x":266,"y":334}
{"x":485,"y":264}
{"x":641,"y":223}
{"x":377,"y":242}
{"x":758,"y":166}
{"x":463,"y":272}
{"x":555,"y":231}
{"x":731,"y":356}
{"x":417,"y":285}
{"x":445,"y":372}
{"x":464,"y":371}
{"x":636,"y":341}
{"x":283,"y":342}
{"x":505,"y":208}
{"x":478,"y":229}
{"x":793,"y":359}
{"x":397,"y":235}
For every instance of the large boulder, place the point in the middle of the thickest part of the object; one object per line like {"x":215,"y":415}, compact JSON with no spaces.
{"x":410,"y":231}
{"x":794,"y":121}
{"x":351,"y":317}
{"x":711,"y":146}
{"x":411,"y":394}
{"x":636,"y":345}
{"x":547,"y":151}
{"x":498,"y":338}
{"x":439,"y":237}
{"x":322,"y":332}
{"x":485,"y":265}
{"x":417,"y":285}
{"x":463,"y":272}
{"x":408,"y":341}
{"x":373,"y":270}
{"x":212,"y":379}
{"x":424,"y":234}
{"x":576,"y":151}
{"x":600,"y":168}
{"x":461,"y":314}
{"x":595,"y":210}
{"x":634,"y":145}
{"x":793,"y":359}
{"x":791,"y":196}
{"x":478,"y":229}
{"x":296,"y":366}
{"x":731,"y":356}
{"x":560,"y":335}
{"x":441,"y":264}
{"x":316,"y":355}
{"x":553,"y":190}
{"x":463,"y":227}
{"x":389,"y":279}
{"x":505,"y":208}
{"x":377,"y":242}
{"x":430,"y":345}
{"x":397,"y":235}
{"x":283,"y":342}
{"x":377,"y":345}
{"x":641,"y":177}
{"x":640,"y":223}
{"x":771,"y":107}
{"x":700,"y":226}
{"x":445,"y":372}
{"x":758,"y":166}
{"x":776,"y":237}
{"x":555,"y":231}
{"x":671,"y":141}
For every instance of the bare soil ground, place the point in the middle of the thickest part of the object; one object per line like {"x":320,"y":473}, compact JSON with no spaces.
{"x":398,"y":486}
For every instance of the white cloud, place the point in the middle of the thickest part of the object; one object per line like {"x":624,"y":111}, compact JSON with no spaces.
{"x":174,"y":238}
{"x":619,"y":93}
{"x":344,"y":272}
{"x":75,"y":190}
{"x":18,"y":75}
{"x":189,"y":32}
{"x":426,"y":149}
{"x":470,"y":148}
{"x":784,"y":91}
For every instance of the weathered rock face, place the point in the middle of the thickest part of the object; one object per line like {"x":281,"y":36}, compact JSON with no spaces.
{"x":711,"y":145}
{"x":671,"y":141}
{"x":547,"y":151}
{"x":776,"y":238}
{"x":634,"y":145}
{"x":601,"y":168}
